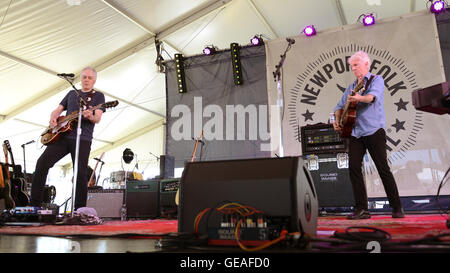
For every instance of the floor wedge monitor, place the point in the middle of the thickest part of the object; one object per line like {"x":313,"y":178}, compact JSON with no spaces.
{"x":281,"y":190}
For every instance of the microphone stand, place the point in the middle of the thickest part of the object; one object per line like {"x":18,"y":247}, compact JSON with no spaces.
{"x":100,"y":170}
{"x":81,"y":103}
{"x":24,"y":161}
{"x":277,"y":77}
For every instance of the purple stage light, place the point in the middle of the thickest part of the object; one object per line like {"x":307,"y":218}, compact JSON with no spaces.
{"x":368,"y":20}
{"x":309,"y":30}
{"x":208,"y":50}
{"x":256,"y":41}
{"x":437,"y":7}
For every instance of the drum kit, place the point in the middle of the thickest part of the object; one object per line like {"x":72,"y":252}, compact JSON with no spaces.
{"x":118,"y":179}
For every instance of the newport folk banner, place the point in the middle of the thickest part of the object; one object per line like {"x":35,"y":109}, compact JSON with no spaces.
{"x":405,"y":51}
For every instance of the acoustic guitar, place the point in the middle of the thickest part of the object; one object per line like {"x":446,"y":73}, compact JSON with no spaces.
{"x":177,"y":196}
{"x":18,"y":182}
{"x":65,"y":124}
{"x":5,"y":183}
{"x":348,"y":116}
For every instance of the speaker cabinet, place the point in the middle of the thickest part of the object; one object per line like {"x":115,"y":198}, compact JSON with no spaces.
{"x":142,"y":198}
{"x":167,"y":192}
{"x":166,"y":166}
{"x":280,"y":187}
{"x":107,"y":203}
{"x":331,"y":179}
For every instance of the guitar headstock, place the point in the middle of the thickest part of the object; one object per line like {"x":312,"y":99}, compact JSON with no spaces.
{"x":6,"y":147}
{"x":110,"y":104}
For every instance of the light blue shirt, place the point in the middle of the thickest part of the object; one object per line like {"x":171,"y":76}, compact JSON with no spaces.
{"x":369,"y":116}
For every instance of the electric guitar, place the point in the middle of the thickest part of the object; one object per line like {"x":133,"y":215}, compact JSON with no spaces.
{"x":348,"y":116}
{"x":18,"y":182}
{"x":65,"y":124}
{"x":5,"y":183}
{"x":177,"y":196}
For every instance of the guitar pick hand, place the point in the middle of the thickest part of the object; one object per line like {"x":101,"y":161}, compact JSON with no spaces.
{"x":88,"y":113}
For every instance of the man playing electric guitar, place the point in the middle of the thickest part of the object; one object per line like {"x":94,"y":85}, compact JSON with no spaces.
{"x":67,"y":142}
{"x":367,"y":134}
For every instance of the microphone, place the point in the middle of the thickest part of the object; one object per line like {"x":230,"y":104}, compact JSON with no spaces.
{"x":290,"y":41}
{"x":29,"y":142}
{"x":99,"y":160}
{"x":68,"y":75}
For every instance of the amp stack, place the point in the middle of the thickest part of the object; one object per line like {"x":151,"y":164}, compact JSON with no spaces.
{"x":326,"y":156}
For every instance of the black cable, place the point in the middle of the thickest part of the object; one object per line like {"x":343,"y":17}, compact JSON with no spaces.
{"x":376,"y":234}
{"x":439,"y":190}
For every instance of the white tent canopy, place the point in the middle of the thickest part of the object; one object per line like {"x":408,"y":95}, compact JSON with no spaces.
{"x":41,"y":38}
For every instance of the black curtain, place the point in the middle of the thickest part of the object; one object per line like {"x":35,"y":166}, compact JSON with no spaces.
{"x":210,"y":84}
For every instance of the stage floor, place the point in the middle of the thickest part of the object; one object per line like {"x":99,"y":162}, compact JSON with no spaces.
{"x":414,"y":233}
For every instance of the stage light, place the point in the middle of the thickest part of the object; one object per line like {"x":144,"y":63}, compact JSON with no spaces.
{"x":368,"y":20}
{"x":309,"y":30}
{"x":209,"y":50}
{"x":256,"y":40}
{"x":179,"y":67}
{"x":437,"y":6}
{"x":236,"y":63}
{"x":127,"y":155}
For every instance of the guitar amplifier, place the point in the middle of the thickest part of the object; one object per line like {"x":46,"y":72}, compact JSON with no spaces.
{"x":106,"y":202}
{"x":167,"y":192}
{"x":321,"y":138}
{"x":142,"y":198}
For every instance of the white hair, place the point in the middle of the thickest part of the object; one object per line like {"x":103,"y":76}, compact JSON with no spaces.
{"x":90,"y":68}
{"x":360,"y":55}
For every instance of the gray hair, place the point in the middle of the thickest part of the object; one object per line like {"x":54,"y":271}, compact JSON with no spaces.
{"x":90,"y":68}
{"x":360,"y":55}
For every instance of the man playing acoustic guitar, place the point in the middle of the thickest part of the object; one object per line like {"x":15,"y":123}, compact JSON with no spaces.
{"x":67,"y":142}
{"x":367,"y":133}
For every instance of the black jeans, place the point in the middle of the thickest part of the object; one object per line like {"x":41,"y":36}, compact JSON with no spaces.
{"x":52,"y":154}
{"x":376,"y":145}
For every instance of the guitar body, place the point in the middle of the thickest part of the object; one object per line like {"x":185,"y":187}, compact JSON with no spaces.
{"x":348,"y":121}
{"x":17,"y":181}
{"x":18,"y":192}
{"x":5,"y":189}
{"x":52,"y":135}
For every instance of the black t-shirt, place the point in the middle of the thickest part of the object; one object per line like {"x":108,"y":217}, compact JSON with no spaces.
{"x":70,"y":103}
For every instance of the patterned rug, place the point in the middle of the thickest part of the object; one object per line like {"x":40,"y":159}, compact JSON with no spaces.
{"x":412,"y":227}
{"x":151,"y":228}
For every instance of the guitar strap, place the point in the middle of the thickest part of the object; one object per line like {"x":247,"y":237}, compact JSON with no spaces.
{"x":368,"y":82}
{"x":89,"y":97}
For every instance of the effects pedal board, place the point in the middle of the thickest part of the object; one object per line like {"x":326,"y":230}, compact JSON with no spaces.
{"x":29,"y":216}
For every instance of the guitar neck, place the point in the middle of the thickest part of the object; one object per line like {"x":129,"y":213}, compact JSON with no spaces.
{"x":74,"y":114}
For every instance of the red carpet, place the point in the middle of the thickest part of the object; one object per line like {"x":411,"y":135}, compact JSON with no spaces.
{"x":412,"y":227}
{"x":108,"y":228}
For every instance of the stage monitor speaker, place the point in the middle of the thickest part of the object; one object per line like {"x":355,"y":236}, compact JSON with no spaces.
{"x":331,"y":179}
{"x":106,"y":202}
{"x":142,"y":198}
{"x":280,"y":187}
